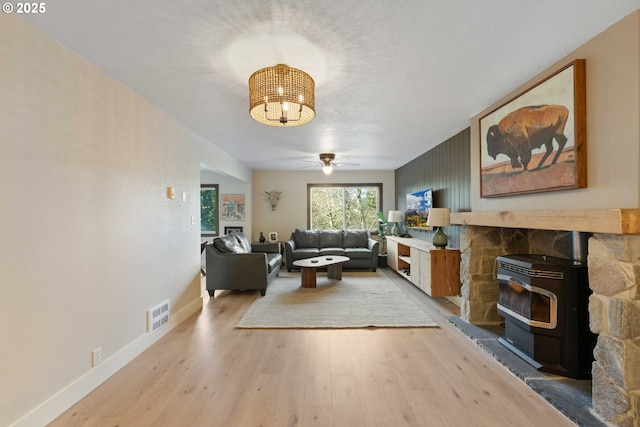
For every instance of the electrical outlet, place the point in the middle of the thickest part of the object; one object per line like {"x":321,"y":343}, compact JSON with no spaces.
{"x":96,"y":356}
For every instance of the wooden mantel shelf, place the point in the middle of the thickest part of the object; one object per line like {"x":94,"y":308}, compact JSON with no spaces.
{"x":609,"y":221}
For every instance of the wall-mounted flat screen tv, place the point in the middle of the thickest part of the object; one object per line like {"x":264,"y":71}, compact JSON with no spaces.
{"x":418,"y":205}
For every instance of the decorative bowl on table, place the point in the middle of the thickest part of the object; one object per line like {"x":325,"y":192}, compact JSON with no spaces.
{"x":329,"y":258}
{"x":313,"y":261}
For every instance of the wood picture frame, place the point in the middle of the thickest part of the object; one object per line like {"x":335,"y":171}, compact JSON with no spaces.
{"x":232,"y":229}
{"x":536,"y":141}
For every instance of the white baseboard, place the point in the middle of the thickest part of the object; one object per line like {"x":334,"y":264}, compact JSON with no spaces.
{"x":53,"y":407}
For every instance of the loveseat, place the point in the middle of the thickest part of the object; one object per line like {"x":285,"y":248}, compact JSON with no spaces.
{"x":234,"y":263}
{"x":355,"y":244}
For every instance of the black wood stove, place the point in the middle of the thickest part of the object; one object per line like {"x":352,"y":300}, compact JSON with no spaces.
{"x":544,"y":301}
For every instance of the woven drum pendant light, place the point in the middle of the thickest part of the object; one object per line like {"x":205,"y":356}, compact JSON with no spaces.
{"x":282,"y":96}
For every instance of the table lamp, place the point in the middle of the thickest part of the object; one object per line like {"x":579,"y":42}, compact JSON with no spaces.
{"x":439,"y":217}
{"x":395,"y":217}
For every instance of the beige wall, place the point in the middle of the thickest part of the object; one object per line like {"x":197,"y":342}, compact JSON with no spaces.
{"x":291,"y":212}
{"x":89,"y":240}
{"x":613,"y":130}
{"x":229,"y":185}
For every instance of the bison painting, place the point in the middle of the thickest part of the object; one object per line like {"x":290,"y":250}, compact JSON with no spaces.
{"x":526,"y":129}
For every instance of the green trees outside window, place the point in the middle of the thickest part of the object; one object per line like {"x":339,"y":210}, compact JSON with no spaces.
{"x":209,"y":210}
{"x":338,"y":206}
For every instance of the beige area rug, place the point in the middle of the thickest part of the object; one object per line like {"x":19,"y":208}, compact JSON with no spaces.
{"x":360,"y":299}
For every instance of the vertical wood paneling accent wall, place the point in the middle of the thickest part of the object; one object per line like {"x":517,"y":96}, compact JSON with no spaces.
{"x":445,"y":169}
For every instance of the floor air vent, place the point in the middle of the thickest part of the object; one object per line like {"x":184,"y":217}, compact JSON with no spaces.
{"x":157,"y":316}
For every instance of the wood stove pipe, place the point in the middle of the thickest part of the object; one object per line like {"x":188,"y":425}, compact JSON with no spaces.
{"x":580,"y":245}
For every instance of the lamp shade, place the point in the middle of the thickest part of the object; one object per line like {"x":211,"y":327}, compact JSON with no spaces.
{"x":439,"y":217}
{"x":395,"y":216}
{"x":281,"y":96}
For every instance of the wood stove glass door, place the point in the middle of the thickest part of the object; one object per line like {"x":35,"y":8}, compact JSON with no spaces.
{"x":531,"y":305}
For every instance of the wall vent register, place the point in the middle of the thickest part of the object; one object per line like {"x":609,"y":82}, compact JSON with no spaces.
{"x":158,"y":316}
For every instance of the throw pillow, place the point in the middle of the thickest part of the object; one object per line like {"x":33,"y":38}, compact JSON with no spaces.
{"x":243,"y":241}
{"x":228,"y":244}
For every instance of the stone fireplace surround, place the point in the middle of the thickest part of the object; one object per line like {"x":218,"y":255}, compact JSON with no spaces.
{"x":614,"y":276}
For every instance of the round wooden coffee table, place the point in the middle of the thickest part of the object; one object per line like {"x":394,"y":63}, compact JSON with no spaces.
{"x":310,"y":267}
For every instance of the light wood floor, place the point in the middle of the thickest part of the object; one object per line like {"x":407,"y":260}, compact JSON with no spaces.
{"x":207,"y":373}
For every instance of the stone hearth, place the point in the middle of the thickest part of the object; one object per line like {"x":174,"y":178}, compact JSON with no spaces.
{"x":614,"y":308}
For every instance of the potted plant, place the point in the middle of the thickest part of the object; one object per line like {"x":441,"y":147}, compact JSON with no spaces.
{"x":382,"y":233}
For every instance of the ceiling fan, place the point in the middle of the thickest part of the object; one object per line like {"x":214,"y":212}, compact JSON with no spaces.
{"x":328,"y":162}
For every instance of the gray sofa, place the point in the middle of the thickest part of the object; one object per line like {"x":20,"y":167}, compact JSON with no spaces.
{"x":234,"y":263}
{"x":355,"y":244}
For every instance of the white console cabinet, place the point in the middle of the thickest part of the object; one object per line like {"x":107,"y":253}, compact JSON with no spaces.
{"x":435,"y":271}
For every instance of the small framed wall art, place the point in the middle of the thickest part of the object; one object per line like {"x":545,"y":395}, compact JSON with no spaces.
{"x":229,"y":230}
{"x":232,"y":207}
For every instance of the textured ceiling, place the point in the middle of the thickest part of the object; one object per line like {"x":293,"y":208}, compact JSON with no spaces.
{"x":393,"y":79}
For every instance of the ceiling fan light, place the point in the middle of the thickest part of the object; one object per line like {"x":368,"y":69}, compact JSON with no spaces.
{"x":327,"y":169}
{"x":281,"y":96}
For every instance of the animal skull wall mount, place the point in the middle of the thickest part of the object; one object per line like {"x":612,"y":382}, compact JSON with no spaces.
{"x":274,"y":197}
